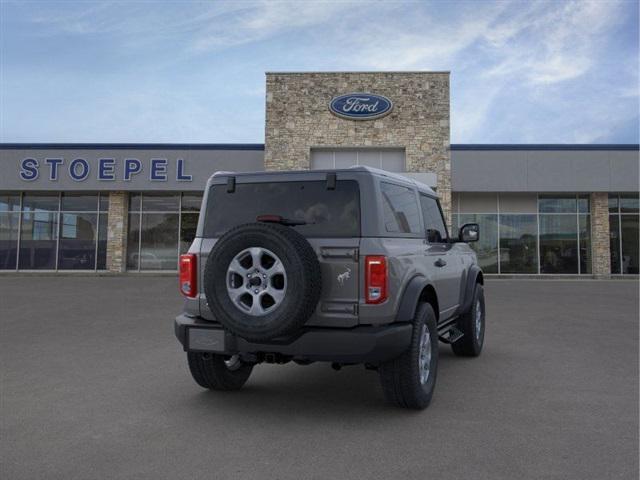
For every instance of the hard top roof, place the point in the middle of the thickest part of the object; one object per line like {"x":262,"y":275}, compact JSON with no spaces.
{"x":356,"y":168}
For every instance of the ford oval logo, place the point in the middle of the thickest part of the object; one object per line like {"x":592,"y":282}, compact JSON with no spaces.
{"x":360,"y":106}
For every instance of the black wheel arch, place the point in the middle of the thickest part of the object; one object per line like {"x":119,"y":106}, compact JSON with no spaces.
{"x":474,"y":276}
{"x":418,"y":289}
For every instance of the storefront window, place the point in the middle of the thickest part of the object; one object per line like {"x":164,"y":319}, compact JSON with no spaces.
{"x":101,"y":260}
{"x":584,"y":236}
{"x":133,"y":239}
{"x":558,"y":244}
{"x":40,"y":202}
{"x":190,"y":211}
{"x":614,"y":242}
{"x":629,"y":203}
{"x":188,"y":224}
{"x":79,"y":202}
{"x":157,"y":202}
{"x":9,"y":202}
{"x":39,"y":231}
{"x":78,"y":234}
{"x":161,"y":226}
{"x":584,"y":204}
{"x":159,"y":241}
{"x":53,"y":231}
{"x":80,"y":225}
{"x":537,"y":233}
{"x":191,"y":202}
{"x":487,"y":247}
{"x":9,"y":226}
{"x":565,"y":234}
{"x":9,"y":222}
{"x":518,"y":244}
{"x":623,"y":233}
{"x":557,"y":204}
{"x":629,"y":238}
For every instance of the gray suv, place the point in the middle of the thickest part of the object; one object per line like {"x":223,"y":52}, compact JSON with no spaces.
{"x":351,"y":266}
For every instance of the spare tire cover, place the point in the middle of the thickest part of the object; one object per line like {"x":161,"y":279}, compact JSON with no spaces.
{"x":262,"y":280}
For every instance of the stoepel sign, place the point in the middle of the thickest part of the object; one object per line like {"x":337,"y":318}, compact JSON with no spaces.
{"x":360,"y":106}
{"x":106,"y":169}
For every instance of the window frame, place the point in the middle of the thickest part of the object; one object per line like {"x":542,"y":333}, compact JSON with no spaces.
{"x":383,"y":228}
{"x":358,"y":196}
{"x":619,"y":214}
{"x":99,"y":212}
{"x":140,"y":212}
{"x":538,"y":215}
{"x":447,"y":238}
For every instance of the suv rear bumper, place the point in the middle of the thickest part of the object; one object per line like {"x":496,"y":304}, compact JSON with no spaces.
{"x":364,"y":344}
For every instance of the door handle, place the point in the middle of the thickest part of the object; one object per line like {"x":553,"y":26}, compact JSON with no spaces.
{"x":440,"y":263}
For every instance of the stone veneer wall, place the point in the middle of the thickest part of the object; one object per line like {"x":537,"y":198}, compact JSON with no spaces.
{"x":117,"y":231}
{"x":600,"y":247}
{"x":298,"y":119}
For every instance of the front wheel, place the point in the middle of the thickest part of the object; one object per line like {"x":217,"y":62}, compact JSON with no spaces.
{"x":409,"y":380}
{"x":218,"y":372}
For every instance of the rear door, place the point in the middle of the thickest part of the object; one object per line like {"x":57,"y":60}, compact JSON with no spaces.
{"x":329,"y":217}
{"x":338,"y":304}
{"x":447,"y":267}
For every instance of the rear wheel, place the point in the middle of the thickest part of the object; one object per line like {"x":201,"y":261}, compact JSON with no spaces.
{"x":472,"y":324}
{"x":409,"y":380}
{"x":218,"y":372}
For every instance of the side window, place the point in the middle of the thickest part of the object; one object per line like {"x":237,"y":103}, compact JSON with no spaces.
{"x":433,"y":221}
{"x":401,"y":212}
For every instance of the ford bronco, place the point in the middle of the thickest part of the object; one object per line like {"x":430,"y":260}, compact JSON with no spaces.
{"x":351,"y":266}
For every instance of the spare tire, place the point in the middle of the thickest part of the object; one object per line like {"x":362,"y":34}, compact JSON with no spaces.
{"x":262,"y":280}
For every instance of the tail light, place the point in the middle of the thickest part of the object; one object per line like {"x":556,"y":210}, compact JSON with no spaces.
{"x":188,"y":275}
{"x":375,"y":278}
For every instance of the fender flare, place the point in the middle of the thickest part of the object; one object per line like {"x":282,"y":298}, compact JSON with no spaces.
{"x":472,"y":279}
{"x":410,"y":298}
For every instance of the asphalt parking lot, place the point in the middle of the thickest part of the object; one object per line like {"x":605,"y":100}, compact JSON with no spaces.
{"x":95,"y":386}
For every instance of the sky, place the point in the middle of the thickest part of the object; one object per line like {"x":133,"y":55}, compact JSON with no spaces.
{"x":178,"y":71}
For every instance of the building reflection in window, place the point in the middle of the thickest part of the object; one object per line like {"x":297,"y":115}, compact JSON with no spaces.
{"x":161,"y":226}
{"x":623,"y":233}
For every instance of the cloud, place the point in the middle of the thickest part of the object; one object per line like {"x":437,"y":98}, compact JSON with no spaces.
{"x":417,"y":38}
{"x":255,"y":21}
{"x":545,"y":43}
{"x":521,"y":71}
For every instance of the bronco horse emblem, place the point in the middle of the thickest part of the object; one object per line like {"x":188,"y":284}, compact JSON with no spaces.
{"x":344,"y":276}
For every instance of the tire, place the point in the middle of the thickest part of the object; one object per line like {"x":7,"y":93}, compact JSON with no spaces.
{"x":210,"y":371}
{"x":401,"y":377}
{"x":258,"y":250}
{"x":470,"y":345}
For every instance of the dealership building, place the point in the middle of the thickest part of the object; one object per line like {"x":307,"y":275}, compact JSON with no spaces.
{"x":542,"y":209}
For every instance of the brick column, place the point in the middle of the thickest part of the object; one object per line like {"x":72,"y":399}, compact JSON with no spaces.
{"x":444,"y":192}
{"x":117,"y":232}
{"x":600,"y":250}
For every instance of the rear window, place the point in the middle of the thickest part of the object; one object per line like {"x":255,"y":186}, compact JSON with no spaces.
{"x":328,"y":213}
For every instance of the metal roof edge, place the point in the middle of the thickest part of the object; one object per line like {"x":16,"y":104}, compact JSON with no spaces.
{"x":132,"y":146}
{"x":286,"y":72}
{"x":543,"y":146}
{"x":260,"y":146}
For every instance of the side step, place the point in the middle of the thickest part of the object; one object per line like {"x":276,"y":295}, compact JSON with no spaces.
{"x":451,"y":336}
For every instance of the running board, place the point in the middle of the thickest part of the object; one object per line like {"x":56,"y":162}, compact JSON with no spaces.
{"x":452,"y":335}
